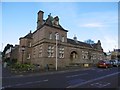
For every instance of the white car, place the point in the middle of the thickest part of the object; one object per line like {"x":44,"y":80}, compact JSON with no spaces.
{"x":116,"y":63}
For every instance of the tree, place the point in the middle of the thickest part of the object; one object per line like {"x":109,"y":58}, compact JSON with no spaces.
{"x":89,"y":41}
{"x":6,"y":48}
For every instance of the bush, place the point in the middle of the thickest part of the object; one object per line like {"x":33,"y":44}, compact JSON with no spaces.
{"x":22,"y":67}
{"x":14,"y":61}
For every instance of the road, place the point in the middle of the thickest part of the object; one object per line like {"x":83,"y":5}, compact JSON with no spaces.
{"x":78,"y":78}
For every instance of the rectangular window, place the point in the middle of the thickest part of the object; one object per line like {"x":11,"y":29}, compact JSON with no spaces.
{"x":34,"y":53}
{"x":85,"y":54}
{"x":50,"y":51}
{"x":61,"y":52}
{"x":40,"y":51}
{"x":29,"y":44}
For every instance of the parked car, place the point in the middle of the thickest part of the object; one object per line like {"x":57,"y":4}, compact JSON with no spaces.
{"x":104,"y":64}
{"x":115,"y":62}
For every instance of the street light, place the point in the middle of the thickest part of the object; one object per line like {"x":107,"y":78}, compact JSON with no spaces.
{"x":56,"y":49}
{"x":23,"y":49}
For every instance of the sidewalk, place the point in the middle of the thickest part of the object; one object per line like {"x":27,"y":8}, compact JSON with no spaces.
{"x":8,"y":73}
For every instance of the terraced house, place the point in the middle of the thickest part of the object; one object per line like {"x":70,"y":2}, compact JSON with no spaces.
{"x":50,"y":40}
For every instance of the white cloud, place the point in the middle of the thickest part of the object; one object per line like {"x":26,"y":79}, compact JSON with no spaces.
{"x":98,"y":19}
{"x":92,"y":25}
{"x":109,"y":43}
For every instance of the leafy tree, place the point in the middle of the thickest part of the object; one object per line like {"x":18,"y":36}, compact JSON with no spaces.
{"x":6,"y":48}
{"x":89,"y":41}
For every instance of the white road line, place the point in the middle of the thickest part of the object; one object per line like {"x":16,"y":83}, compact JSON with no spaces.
{"x":105,"y":85}
{"x":73,"y":86}
{"x":100,"y":84}
{"x":27,"y":83}
{"x":76,"y":75}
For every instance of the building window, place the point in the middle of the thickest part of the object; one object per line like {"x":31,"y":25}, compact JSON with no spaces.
{"x":34,"y":53}
{"x":28,"y":56}
{"x":93,"y":57}
{"x":56,"y":36}
{"x":85,"y":54}
{"x":50,"y":51}
{"x":63,"y":39}
{"x":50,"y":36}
{"x":61,"y":52}
{"x":40,"y":51}
{"x":29,"y":44}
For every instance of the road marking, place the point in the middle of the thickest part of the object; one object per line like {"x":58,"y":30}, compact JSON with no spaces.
{"x":27,"y":83}
{"x":76,"y":75}
{"x":73,"y":86}
{"x":100,"y":84}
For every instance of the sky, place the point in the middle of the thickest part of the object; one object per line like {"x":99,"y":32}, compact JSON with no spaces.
{"x":86,"y":20}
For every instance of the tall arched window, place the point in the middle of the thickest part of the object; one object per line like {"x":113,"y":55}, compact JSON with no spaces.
{"x":63,"y":39}
{"x":56,"y":36}
{"x":50,"y":36}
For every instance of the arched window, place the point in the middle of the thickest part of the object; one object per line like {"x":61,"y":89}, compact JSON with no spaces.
{"x":50,"y":36}
{"x":73,"y":55}
{"x":56,"y":36}
{"x":63,"y":39}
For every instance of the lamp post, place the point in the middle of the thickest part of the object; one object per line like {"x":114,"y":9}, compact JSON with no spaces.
{"x":23,"y":49}
{"x":56,"y":50}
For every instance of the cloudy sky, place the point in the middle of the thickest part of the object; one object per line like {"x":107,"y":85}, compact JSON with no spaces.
{"x":86,"y":20}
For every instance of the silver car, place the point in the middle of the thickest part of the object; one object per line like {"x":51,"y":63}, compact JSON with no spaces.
{"x":115,"y":62}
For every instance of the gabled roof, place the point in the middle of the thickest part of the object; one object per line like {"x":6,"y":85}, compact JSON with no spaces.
{"x":50,"y":22}
{"x":28,"y":36}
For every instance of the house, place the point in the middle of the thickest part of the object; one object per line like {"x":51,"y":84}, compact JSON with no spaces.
{"x":50,"y":40}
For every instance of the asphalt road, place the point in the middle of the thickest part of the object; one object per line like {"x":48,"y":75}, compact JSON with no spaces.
{"x":78,"y":78}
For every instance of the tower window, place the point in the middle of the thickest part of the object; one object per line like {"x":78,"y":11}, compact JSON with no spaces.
{"x":50,"y":36}
{"x":63,"y":38}
{"x":56,"y":36}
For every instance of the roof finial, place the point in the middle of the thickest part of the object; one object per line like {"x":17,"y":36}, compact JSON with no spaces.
{"x":75,"y":38}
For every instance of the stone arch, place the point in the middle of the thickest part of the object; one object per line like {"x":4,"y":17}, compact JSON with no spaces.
{"x":73,"y":56}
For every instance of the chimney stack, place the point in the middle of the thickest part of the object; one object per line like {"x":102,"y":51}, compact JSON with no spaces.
{"x":40,"y":19}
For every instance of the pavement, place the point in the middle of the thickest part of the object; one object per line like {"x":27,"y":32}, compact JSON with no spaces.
{"x":6,"y":72}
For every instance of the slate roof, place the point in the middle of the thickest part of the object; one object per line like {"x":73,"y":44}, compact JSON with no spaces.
{"x":29,"y":36}
{"x":71,"y":41}
{"x":49,"y":21}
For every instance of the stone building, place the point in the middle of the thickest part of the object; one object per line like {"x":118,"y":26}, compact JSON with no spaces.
{"x":39,"y":47}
